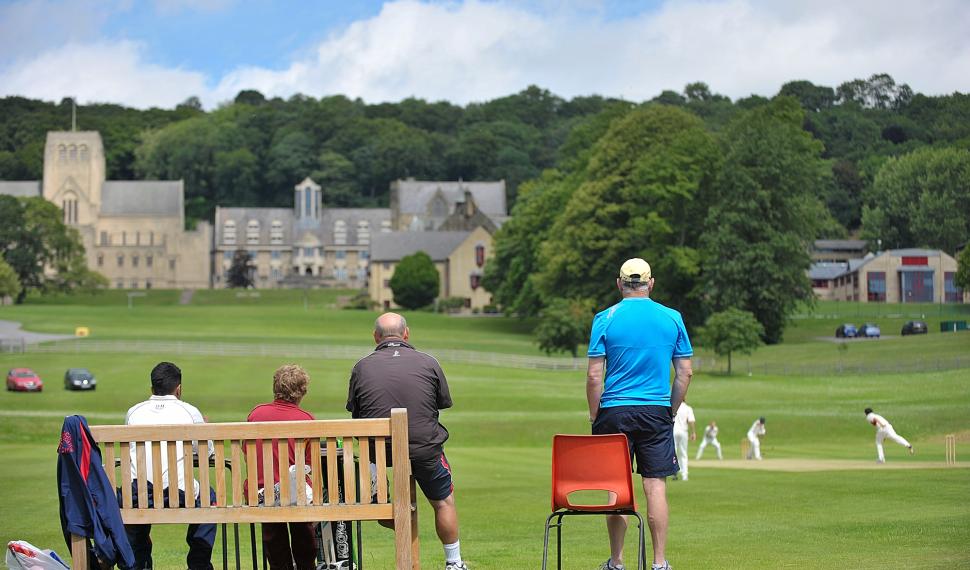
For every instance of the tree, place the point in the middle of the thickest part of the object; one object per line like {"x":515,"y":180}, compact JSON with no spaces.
{"x":9,"y":284}
{"x":962,"y":277}
{"x":732,"y":331}
{"x":765,"y":214}
{"x":642,"y":194}
{"x":240,"y":271}
{"x":811,"y":97}
{"x":921,"y":199}
{"x":415,"y":282}
{"x":38,"y":246}
{"x":564,"y":325}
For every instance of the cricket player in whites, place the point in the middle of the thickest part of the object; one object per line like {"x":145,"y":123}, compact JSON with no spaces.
{"x":885,"y":429}
{"x":710,"y":438}
{"x":683,"y":421}
{"x":755,"y":434}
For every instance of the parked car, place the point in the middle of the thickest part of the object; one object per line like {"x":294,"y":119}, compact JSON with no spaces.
{"x":870,"y":330}
{"x":914,"y":327}
{"x":24,"y":380}
{"x":79,"y":379}
{"x":847,"y":330}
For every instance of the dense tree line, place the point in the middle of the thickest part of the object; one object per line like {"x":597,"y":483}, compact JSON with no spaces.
{"x":722,"y":196}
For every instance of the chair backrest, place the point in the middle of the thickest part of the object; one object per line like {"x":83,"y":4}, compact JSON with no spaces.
{"x":592,"y":463}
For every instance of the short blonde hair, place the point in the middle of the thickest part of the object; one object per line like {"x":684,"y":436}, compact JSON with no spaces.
{"x":290,"y":383}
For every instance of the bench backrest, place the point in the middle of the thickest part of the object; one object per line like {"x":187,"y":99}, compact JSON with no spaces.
{"x":235,"y":449}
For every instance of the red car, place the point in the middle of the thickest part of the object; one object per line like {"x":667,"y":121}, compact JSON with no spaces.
{"x":24,"y":380}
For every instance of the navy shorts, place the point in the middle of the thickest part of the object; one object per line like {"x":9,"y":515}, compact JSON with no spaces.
{"x":650,"y":431}
{"x":433,"y":476}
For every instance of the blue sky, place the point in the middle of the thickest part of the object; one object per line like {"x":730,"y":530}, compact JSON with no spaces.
{"x":159,"y":52}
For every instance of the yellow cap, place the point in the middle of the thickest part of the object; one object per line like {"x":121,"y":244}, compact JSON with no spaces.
{"x":635,"y":270}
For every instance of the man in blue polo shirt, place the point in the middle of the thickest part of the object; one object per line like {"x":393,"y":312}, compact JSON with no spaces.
{"x":632,"y":345}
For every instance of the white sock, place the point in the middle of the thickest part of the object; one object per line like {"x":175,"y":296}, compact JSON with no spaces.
{"x":453,"y":552}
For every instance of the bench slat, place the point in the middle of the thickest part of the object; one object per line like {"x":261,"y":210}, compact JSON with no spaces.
{"x":158,"y":488}
{"x":315,"y":472}
{"x":252,"y":482}
{"x":220,"y":464}
{"x":350,"y":491}
{"x":237,"y":473}
{"x":204,"y":495}
{"x":189,"y":473}
{"x":363,"y":470}
{"x":283,"y":452}
{"x":109,"y":461}
{"x":300,"y":457}
{"x":380,"y":451}
{"x":125,"y":451}
{"x":332,"y":479}
{"x":173,"y":469}
{"x":245,"y":430}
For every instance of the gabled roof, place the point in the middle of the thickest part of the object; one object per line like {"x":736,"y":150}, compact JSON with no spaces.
{"x":827,"y":271}
{"x":392,"y":246}
{"x":414,"y":195}
{"x":142,"y":198}
{"x":840,"y":244}
{"x":265,"y":217}
{"x":20,"y":188}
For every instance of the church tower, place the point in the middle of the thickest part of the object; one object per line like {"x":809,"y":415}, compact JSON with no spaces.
{"x":74,"y":171}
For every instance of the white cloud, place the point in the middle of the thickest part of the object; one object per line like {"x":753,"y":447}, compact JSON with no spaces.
{"x":474,"y":51}
{"x":101,"y":72}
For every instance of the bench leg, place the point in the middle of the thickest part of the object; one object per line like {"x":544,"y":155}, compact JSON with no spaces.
{"x":415,"y":547}
{"x":79,"y":552}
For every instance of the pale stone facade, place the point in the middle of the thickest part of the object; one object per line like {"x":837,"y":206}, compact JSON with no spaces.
{"x":893,"y":276}
{"x":133,"y":231}
{"x":459,"y":257}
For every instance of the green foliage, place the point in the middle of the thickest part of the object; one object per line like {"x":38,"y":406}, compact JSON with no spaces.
{"x":33,"y":238}
{"x":646,"y":184}
{"x":921,"y":199}
{"x":732,"y":331}
{"x":564,"y":325}
{"x":962,"y":278}
{"x":763,"y":217}
{"x":240,"y":275}
{"x":415,"y":282}
{"x":450,"y":304}
{"x":9,"y":283}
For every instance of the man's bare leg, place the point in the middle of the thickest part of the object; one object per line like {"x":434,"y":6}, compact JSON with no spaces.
{"x":616,"y":527}
{"x":445,"y":519}
{"x":657,"y":515}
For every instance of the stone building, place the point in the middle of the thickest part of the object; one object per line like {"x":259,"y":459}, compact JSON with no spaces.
{"x":133,"y":231}
{"x":459,"y":257}
{"x":306,"y":246}
{"x":893,"y":276}
{"x":434,"y":205}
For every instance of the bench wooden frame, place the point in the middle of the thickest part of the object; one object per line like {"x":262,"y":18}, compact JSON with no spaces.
{"x":234,"y":506}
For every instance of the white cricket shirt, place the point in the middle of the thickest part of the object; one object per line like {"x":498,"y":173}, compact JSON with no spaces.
{"x":876,"y":420}
{"x":685,"y":415}
{"x":161,"y":410}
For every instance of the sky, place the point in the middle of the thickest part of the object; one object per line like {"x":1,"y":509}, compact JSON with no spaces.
{"x":158,"y":53}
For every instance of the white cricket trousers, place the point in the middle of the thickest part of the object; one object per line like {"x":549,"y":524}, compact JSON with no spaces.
{"x":714,"y":442}
{"x":680,"y":447}
{"x":884,"y":432}
{"x":755,"y":452}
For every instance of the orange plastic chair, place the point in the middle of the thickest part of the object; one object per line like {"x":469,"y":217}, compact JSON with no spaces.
{"x":591,"y":463}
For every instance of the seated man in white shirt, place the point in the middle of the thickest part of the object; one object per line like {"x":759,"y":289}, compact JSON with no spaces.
{"x":165,"y":406}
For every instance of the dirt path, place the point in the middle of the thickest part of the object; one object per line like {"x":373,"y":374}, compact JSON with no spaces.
{"x":811,"y":465}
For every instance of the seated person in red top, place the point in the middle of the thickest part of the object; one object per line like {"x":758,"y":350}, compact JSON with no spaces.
{"x":290,"y":384}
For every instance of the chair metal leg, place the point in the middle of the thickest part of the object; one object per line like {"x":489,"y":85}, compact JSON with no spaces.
{"x":545,"y":542}
{"x":559,"y":543}
{"x":225,"y":548}
{"x":641,"y":543}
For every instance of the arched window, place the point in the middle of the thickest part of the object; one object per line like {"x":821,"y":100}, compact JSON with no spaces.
{"x":61,"y":153}
{"x":252,"y":232}
{"x":363,"y":232}
{"x":229,"y":232}
{"x":480,"y":255}
{"x":84,"y":152}
{"x":72,"y":152}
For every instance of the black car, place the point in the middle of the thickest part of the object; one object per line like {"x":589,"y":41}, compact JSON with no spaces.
{"x":914,"y":327}
{"x":79,"y":379}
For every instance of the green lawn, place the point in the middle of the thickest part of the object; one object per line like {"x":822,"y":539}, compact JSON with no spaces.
{"x":502,"y":425}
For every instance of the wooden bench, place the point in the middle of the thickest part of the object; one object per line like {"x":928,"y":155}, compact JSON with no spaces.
{"x":233,"y":505}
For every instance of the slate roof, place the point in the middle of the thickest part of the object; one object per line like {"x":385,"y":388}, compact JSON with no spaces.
{"x":840,"y":244}
{"x":265,"y":217}
{"x":414,"y":195}
{"x":142,"y":198}
{"x":827,"y":271}
{"x":392,"y":246}
{"x":352,"y":217}
{"x":20,"y":188}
